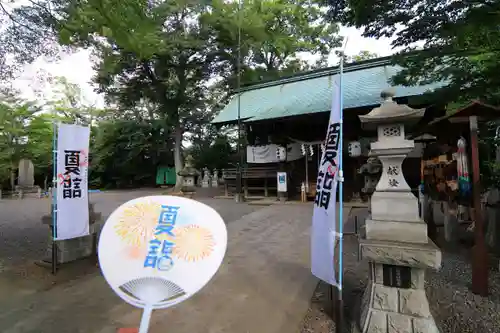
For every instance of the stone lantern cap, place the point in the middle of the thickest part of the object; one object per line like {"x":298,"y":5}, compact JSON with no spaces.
{"x":390,"y":112}
{"x":188,"y":169}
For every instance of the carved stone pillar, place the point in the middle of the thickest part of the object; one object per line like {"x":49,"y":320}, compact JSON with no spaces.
{"x":206,"y":182}
{"x":395,"y":241}
{"x":215,"y":178}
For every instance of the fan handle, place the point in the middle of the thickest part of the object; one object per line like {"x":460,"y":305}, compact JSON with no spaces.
{"x":146,"y":318}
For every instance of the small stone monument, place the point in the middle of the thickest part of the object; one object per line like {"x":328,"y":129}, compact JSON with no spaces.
{"x":189,"y":174}
{"x":215,"y":178}
{"x":26,"y":179}
{"x":26,"y":173}
{"x":395,"y":241}
{"x":206,"y":182}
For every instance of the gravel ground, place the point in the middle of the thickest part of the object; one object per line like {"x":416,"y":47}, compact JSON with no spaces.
{"x":455,"y":308}
{"x":23,"y":237}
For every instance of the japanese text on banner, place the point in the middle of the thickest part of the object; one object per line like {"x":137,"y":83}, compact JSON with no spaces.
{"x":161,"y":246}
{"x":328,"y":168}
{"x":72,"y":215}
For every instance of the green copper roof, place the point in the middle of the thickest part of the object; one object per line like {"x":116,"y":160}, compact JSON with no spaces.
{"x":311,"y":92}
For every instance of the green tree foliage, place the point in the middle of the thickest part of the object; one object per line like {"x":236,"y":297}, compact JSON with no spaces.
{"x":166,"y":53}
{"x":158,"y":61}
{"x":490,"y":157}
{"x":127,"y":154}
{"x":149,"y":53}
{"x":16,"y":118}
{"x":39,"y":147}
{"x":361,"y":56}
{"x":461,"y":41}
{"x":273,"y":36}
{"x":212,"y":148}
{"x":70,"y":105}
{"x":29,"y":30}
{"x":217,"y":155}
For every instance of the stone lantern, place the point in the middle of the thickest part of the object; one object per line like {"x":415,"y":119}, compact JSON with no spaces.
{"x":189,"y":174}
{"x":215,"y":178}
{"x":394,"y":240}
{"x":207,"y":181}
{"x":371,"y":171}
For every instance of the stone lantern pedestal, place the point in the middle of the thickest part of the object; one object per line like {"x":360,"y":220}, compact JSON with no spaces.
{"x":394,"y":240}
{"x":189,"y":174}
{"x":76,"y":248}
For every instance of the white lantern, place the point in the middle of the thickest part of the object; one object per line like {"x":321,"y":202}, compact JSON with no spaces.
{"x":354,"y":148}
{"x":281,"y":154}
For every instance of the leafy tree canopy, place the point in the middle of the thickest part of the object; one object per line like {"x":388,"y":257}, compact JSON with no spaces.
{"x":460,"y":39}
{"x":170,"y":63}
{"x":362,"y":55}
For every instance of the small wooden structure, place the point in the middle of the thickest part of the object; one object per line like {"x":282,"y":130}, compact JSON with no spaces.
{"x":260,"y":178}
{"x":465,"y":121}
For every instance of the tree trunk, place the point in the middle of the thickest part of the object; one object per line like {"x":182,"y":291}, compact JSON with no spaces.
{"x":179,"y":165}
{"x":13,"y":177}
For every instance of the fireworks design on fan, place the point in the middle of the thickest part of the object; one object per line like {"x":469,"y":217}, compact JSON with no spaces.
{"x":152,"y":291}
{"x":193,"y":243}
{"x":136,"y":225}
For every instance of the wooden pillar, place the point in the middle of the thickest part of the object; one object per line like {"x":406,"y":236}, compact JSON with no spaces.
{"x":226,"y":188}
{"x":245,"y":187}
{"x":450,"y":221}
{"x":480,"y":252}
{"x":266,"y":189}
{"x":429,"y":218}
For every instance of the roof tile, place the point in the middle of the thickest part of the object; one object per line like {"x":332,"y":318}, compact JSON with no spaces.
{"x":361,"y":87}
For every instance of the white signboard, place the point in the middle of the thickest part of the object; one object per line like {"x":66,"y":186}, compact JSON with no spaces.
{"x":323,"y":234}
{"x":268,"y":153}
{"x":281,"y":177}
{"x":72,"y":182}
{"x":158,"y":251}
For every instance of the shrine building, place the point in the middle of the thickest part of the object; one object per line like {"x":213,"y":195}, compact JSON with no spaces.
{"x":293,"y":112}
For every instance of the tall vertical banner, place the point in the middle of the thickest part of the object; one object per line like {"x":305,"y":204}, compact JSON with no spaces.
{"x":72,"y":182}
{"x":323,"y":233}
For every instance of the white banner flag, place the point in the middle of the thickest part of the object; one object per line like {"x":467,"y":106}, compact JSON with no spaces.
{"x":323,"y":234}
{"x":72,"y":181}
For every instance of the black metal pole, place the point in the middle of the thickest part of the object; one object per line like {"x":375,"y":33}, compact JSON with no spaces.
{"x":339,"y":312}
{"x":239,"y":165}
{"x":54,"y":257}
{"x":337,"y":306}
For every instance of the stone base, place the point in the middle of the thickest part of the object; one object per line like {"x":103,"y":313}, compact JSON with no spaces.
{"x":395,"y":310}
{"x":394,"y":323}
{"x":239,"y":197}
{"x":394,"y":206}
{"x":187,"y":194}
{"x":188,"y":189}
{"x":22,"y":192}
{"x":394,"y":300}
{"x":403,"y":254}
{"x":73,"y":249}
{"x":413,"y":232}
{"x":76,"y":248}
